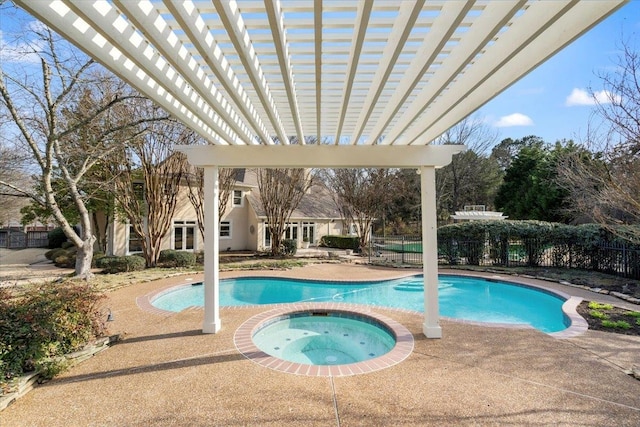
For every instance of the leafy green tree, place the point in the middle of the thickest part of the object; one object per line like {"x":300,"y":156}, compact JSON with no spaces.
{"x":530,"y":189}
{"x":506,"y":151}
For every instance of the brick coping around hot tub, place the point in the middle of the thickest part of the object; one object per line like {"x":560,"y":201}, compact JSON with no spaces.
{"x":243,"y":340}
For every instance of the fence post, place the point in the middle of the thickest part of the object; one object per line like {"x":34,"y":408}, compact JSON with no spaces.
{"x":402,"y":249}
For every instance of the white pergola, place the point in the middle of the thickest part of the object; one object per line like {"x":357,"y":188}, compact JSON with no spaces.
{"x":324,"y":83}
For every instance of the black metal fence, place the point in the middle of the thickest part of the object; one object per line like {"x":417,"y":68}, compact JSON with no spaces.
{"x":608,"y":257}
{"x":399,"y":249}
{"x":12,"y":239}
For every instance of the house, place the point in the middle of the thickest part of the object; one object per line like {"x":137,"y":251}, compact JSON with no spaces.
{"x":243,"y":225}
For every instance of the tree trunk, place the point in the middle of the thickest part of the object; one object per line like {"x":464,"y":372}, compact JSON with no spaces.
{"x":84,"y":257}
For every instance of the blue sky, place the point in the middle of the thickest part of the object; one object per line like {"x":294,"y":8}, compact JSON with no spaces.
{"x":541,"y":103}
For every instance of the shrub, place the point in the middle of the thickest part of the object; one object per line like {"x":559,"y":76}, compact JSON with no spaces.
{"x":599,"y":306}
{"x":633,"y":314}
{"x":67,"y":245}
{"x":96,"y":257}
{"x":47,"y":322}
{"x":620,"y":324}
{"x":65,"y":261}
{"x":56,"y":238}
{"x":120,"y":264}
{"x":290,"y":247}
{"x":55,"y":253}
{"x":173,"y":258}
{"x":598,"y":314}
{"x":340,"y":242}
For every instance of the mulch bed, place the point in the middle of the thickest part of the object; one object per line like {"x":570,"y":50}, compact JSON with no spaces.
{"x":614,"y":314}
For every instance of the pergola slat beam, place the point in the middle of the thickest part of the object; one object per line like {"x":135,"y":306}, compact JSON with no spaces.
{"x":408,"y":13}
{"x":359,"y":32}
{"x":124,"y":37}
{"x":234,"y":24}
{"x":166,"y":42}
{"x":536,"y":52}
{"x":321,"y":156}
{"x":64,"y":21}
{"x":451,"y":16}
{"x":276,"y":21}
{"x":207,"y":47}
{"x":495,"y":16}
{"x":317,"y":39}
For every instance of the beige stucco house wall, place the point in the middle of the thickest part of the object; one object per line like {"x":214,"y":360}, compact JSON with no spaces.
{"x":242,"y":226}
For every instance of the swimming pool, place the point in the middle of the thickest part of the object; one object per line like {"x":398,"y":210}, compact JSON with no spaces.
{"x":460,"y":297}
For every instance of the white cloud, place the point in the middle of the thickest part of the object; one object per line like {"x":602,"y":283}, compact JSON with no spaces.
{"x":515,"y":119}
{"x":582,"y":97}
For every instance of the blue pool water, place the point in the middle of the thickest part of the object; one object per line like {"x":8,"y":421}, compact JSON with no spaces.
{"x":323,"y":340}
{"x":466,"y":298}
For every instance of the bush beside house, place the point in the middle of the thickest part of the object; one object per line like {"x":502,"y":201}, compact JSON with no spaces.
{"x":340,"y":242}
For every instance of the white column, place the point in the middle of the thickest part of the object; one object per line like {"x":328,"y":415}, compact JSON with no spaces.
{"x":431,"y":326}
{"x":211,"y":323}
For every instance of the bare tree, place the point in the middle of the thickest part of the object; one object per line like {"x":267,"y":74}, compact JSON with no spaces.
{"x":147,"y":176}
{"x":35,"y":102}
{"x":12,"y":170}
{"x":195,"y":183}
{"x":472,"y":177}
{"x":619,"y":102}
{"x":606,"y":185}
{"x":361,"y":195}
{"x":281,"y":191}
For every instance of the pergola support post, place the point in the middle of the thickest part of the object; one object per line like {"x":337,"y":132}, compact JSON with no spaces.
{"x":431,"y":326}
{"x":211,"y":323}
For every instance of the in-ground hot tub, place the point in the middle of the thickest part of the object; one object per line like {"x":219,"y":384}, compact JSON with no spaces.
{"x":317,"y":340}
{"x":322,"y":337}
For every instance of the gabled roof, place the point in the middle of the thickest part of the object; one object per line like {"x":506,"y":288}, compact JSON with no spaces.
{"x":315,"y":204}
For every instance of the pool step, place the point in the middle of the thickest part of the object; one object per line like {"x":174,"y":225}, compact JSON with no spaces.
{"x":409,"y":287}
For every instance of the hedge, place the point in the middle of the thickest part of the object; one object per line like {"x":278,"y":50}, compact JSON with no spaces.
{"x":173,"y":258}
{"x":340,"y":242}
{"x":581,"y":243}
{"x":120,"y":264}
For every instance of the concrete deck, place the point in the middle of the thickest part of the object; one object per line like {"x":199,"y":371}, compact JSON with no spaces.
{"x":166,"y":372}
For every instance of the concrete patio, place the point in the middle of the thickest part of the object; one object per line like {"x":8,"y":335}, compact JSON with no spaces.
{"x":166,"y":372}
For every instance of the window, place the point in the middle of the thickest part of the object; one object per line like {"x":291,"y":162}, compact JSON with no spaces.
{"x":184,"y":233}
{"x":134,"y":242}
{"x":237,"y":198}
{"x":291,"y":232}
{"x":225,"y":229}
{"x":309,"y":231}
